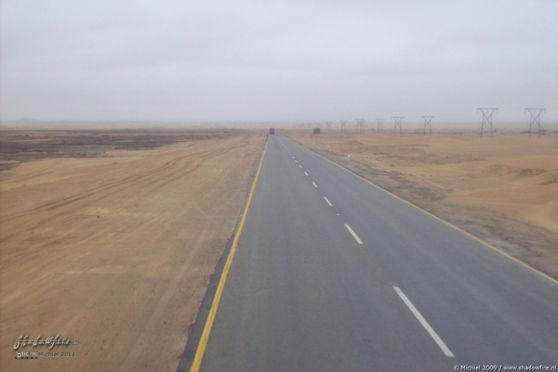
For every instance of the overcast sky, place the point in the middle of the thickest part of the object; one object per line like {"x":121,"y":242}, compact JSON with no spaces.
{"x":278,"y":60}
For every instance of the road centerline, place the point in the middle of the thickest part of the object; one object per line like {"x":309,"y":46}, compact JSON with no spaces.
{"x":327,"y":201}
{"x":314,"y":184}
{"x":447,"y":352}
{"x":355,"y":236}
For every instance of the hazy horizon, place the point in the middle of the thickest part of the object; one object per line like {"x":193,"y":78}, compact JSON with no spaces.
{"x":290,"y":62}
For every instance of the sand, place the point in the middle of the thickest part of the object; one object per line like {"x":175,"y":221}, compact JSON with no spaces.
{"x":116,"y":251}
{"x":503,"y":188}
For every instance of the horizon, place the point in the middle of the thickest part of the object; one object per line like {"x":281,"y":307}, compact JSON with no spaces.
{"x":260,"y":124}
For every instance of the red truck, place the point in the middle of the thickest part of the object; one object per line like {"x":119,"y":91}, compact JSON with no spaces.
{"x":271,"y":130}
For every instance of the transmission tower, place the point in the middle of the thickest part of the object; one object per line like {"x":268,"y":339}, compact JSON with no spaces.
{"x":535,"y":119}
{"x":428,"y":123}
{"x":343,"y":125}
{"x":397,"y":120}
{"x":487,"y":118}
{"x":360,"y":123}
{"x":379,"y":125}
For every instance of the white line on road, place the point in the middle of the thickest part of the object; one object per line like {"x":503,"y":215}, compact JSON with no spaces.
{"x":447,"y":352}
{"x":327,"y":201}
{"x":296,"y":161}
{"x":300,"y":166}
{"x":314,"y":184}
{"x":306,"y":174}
{"x":353,"y":234}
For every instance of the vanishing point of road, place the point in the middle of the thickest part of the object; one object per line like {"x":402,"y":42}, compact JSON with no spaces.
{"x":334,"y":274}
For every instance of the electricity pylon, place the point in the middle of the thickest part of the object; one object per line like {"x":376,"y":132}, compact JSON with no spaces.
{"x":535,"y":119}
{"x":397,"y":120}
{"x":487,"y":113}
{"x":428,"y":123}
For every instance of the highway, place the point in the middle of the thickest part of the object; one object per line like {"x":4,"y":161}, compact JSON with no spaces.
{"x":333,"y":274}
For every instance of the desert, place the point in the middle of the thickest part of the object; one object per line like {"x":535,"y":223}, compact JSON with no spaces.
{"x":109,"y":238}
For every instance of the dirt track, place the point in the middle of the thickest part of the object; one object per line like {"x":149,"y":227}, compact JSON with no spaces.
{"x":116,"y":252}
{"x":503,"y":188}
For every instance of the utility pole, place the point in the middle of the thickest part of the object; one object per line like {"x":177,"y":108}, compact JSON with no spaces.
{"x":535,"y":119}
{"x":487,"y":113}
{"x":397,"y":120}
{"x":428,"y":123}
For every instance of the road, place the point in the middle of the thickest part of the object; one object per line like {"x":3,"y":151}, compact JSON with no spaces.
{"x":333,"y":274}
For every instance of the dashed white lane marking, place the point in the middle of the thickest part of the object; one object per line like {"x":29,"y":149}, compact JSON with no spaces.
{"x":314,"y":184}
{"x":296,"y":161}
{"x":327,"y":201}
{"x":447,"y":352}
{"x":300,"y":166}
{"x":353,"y":234}
{"x":306,"y":174}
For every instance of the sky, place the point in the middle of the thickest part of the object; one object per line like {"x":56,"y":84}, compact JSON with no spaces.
{"x":277,"y":60}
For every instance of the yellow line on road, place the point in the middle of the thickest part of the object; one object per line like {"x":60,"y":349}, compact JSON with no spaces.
{"x":546,"y":276}
{"x":200,"y":351}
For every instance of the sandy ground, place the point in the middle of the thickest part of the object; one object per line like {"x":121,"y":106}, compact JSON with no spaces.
{"x":503,"y":188}
{"x":115,"y":252}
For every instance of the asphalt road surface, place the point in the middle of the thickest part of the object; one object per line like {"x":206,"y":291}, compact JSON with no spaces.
{"x":332,"y":274}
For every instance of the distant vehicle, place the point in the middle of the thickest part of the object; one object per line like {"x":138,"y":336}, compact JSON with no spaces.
{"x":271,"y":130}
{"x":316,"y":131}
